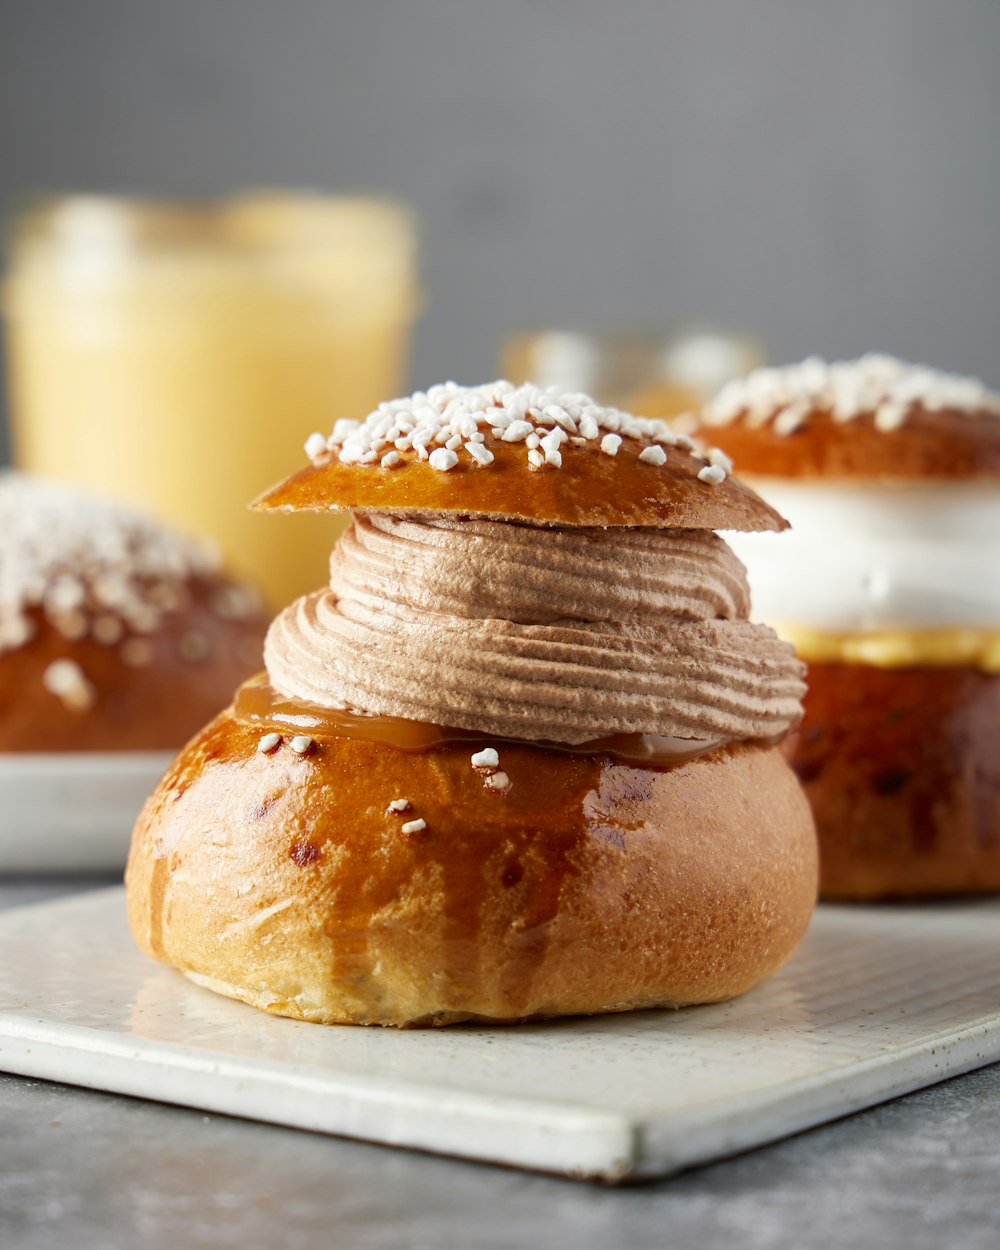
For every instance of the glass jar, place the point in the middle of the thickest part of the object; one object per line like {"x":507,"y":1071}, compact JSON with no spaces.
{"x":177,"y":355}
{"x":650,"y":375}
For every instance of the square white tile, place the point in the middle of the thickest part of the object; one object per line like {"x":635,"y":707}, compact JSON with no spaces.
{"x":876,"y":1002}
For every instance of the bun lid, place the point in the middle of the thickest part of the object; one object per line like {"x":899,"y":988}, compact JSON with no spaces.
{"x":523,"y":454}
{"x":873,"y":418}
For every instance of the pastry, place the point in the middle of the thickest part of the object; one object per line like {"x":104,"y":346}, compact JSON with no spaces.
{"x":518,"y":760}
{"x":115,"y":634}
{"x":889,"y":586}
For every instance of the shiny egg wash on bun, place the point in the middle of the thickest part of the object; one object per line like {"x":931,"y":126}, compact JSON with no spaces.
{"x":519,"y":759}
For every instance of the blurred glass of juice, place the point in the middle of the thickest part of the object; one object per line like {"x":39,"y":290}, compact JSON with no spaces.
{"x":177,"y":355}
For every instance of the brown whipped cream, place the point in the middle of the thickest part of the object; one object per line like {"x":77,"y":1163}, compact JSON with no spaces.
{"x":551,"y":634}
{"x":484,"y":569}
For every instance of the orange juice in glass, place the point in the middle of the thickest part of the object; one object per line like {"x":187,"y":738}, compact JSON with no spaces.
{"x":178,"y":355}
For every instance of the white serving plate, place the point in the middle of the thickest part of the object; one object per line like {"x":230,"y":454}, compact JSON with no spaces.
{"x":877,"y":1001}
{"x":73,"y":811}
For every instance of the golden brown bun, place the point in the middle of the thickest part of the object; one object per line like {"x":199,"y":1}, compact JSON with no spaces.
{"x":902,"y":769}
{"x":591,"y":489}
{"x":588,"y":886}
{"x":149,"y":691}
{"x":943,"y":444}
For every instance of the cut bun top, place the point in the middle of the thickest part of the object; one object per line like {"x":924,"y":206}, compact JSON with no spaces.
{"x":520,"y":454}
{"x":876,"y":418}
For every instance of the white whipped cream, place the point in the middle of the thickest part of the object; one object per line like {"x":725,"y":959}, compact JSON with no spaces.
{"x":876,"y":556}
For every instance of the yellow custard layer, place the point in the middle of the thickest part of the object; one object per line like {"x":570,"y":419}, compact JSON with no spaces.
{"x":898,"y":648}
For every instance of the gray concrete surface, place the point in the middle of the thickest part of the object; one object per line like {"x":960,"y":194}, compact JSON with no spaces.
{"x":85,"y":1169}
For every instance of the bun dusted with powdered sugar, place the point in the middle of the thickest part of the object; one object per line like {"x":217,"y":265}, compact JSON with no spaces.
{"x":518,"y":760}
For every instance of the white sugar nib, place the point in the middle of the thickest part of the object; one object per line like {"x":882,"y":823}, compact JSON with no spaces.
{"x":451,"y":426}
{"x":889,"y":389}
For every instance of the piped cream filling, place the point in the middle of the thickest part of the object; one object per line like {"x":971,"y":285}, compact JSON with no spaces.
{"x":542,"y":634}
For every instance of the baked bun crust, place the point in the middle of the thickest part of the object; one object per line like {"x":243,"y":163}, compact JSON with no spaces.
{"x":902,"y":769}
{"x":145,"y":692}
{"x":116,"y":633}
{"x":934,"y":445}
{"x":594,"y":490}
{"x":872,"y":419}
{"x":587,"y":886}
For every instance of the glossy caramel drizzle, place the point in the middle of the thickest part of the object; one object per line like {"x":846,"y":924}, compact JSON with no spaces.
{"x":257,"y":702}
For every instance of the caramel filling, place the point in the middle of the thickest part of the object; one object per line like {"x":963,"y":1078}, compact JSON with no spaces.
{"x":260,"y":704}
{"x":899,"y":648}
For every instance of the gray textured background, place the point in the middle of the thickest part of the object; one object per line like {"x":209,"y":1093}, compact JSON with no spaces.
{"x":825,"y":175}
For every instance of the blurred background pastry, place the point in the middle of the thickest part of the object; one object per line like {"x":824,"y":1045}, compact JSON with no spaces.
{"x":518,"y":759}
{"x":116,"y":634}
{"x":889,"y":586}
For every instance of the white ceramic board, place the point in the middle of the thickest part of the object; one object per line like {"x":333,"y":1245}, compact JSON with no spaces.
{"x":73,"y":811}
{"x":877,"y":1001}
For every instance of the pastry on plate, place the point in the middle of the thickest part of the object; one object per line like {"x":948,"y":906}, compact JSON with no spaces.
{"x":889,"y":586}
{"x":517,"y":760}
{"x":115,"y":633}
